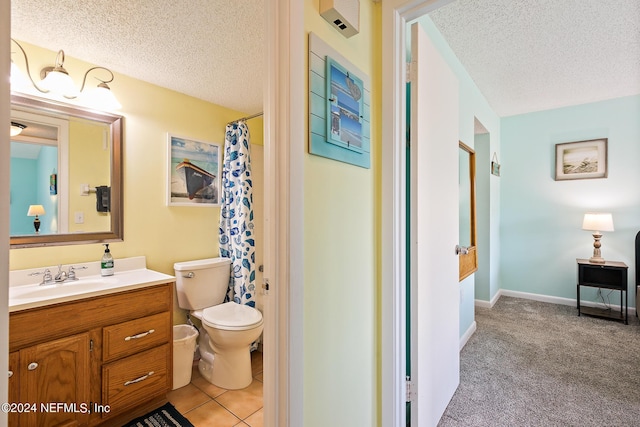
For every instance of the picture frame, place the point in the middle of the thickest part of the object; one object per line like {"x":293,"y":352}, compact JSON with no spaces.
{"x":193,"y":172}
{"x":581,"y":159}
{"x":495,"y":166}
{"x":339,"y":126}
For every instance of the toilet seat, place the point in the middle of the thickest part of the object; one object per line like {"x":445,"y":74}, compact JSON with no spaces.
{"x":231,"y":316}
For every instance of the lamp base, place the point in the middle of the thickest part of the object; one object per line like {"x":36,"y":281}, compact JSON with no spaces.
{"x":597,"y":254}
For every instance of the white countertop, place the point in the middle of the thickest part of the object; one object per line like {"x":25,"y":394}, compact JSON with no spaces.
{"x":26,"y":292}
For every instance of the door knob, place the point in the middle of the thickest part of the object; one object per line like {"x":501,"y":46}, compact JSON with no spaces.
{"x":461,"y":250}
{"x":32,"y":366}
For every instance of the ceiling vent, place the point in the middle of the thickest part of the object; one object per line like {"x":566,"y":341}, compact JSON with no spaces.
{"x":344,"y":15}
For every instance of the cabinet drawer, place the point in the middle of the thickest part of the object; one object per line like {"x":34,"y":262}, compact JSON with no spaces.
{"x":131,"y":337}
{"x":136,"y":379}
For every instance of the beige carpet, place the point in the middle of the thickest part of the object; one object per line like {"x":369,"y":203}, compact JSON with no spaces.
{"x":538,"y":364}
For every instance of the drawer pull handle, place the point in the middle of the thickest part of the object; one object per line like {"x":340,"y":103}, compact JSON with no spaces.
{"x":32,"y":366}
{"x":141,"y":335}
{"x":137,"y":380}
{"x":10,"y":374}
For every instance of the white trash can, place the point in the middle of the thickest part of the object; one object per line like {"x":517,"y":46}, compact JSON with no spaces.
{"x":184,"y":346}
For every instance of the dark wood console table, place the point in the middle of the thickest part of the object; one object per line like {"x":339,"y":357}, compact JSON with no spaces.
{"x":610,"y":275}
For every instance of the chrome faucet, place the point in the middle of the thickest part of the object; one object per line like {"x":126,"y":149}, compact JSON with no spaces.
{"x":71,"y":275}
{"x":63,"y":276}
{"x":47,"y":279}
{"x":60,"y":276}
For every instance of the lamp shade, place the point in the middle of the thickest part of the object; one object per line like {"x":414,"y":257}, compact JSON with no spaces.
{"x":16,"y":128}
{"x":59,"y":82}
{"x":597,"y":222}
{"x":35,"y":210}
{"x":101,"y":98}
{"x":18,"y":81}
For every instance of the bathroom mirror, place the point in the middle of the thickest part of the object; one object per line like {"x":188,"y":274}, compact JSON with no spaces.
{"x":64,"y":161}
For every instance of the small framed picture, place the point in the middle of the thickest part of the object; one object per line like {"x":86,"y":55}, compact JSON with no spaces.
{"x":581,"y":159}
{"x":193,"y":172}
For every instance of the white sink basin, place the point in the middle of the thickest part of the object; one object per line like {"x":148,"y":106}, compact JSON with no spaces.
{"x":30,"y":295}
{"x":60,"y":289}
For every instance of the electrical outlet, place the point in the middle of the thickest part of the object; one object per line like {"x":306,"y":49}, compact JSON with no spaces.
{"x":79,"y":217}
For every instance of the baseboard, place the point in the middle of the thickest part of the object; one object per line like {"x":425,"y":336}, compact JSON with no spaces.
{"x":465,"y":337}
{"x":488,"y":304}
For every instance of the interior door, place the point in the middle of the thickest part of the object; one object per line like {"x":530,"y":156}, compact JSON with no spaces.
{"x":434,"y":295}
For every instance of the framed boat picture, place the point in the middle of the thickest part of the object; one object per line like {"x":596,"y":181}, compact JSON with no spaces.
{"x":193,"y":172}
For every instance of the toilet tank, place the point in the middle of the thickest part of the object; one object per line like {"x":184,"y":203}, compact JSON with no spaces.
{"x":202,"y":283}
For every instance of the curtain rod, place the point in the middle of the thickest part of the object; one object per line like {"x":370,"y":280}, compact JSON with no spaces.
{"x":253,"y":116}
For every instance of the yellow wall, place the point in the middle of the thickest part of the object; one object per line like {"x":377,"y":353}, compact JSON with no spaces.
{"x":89,"y":163}
{"x":341,"y":202}
{"x":163,"y":234}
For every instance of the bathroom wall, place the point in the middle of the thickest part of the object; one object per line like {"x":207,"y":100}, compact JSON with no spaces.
{"x":341,"y":272}
{"x":163,"y":234}
{"x":85,"y":138}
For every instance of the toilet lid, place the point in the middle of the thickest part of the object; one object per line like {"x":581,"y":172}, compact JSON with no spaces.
{"x":231,"y":315}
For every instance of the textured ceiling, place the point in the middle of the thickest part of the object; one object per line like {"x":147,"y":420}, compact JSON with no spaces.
{"x":532,"y":55}
{"x":209,"y":49}
{"x":524,"y":55}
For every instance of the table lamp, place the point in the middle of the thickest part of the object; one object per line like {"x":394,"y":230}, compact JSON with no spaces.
{"x":597,"y":222}
{"x":35,"y":210}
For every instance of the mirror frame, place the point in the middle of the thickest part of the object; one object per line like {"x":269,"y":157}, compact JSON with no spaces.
{"x":116,"y":124}
{"x":468,"y":263}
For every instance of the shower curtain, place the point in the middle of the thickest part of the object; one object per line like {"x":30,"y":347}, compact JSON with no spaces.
{"x":236,"y":215}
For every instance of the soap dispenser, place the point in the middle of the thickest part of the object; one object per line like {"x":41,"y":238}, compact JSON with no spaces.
{"x":106,"y":265}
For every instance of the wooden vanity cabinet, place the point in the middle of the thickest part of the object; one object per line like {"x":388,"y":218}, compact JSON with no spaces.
{"x":102,"y":357}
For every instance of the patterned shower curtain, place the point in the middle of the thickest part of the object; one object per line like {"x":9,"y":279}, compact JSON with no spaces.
{"x":236,"y":215}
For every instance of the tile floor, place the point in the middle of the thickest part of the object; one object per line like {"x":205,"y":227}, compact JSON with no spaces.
{"x":206,"y":405}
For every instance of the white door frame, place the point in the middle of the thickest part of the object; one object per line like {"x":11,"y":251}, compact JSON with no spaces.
{"x":395,"y":15}
{"x":284,"y":141}
{"x":5,"y":55}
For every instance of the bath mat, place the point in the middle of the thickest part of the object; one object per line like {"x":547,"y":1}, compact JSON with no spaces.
{"x":164,"y":416}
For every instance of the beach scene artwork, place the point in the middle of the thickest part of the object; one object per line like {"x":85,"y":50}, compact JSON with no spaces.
{"x":581,"y":159}
{"x":194,"y":172}
{"x":345,"y":106}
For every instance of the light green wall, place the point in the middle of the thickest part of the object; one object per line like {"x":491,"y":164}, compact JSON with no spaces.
{"x":341,"y":370}
{"x":22,"y":194}
{"x":542,"y":218}
{"x":474,"y":105}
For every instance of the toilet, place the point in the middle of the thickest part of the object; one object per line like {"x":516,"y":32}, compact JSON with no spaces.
{"x":229,"y":328}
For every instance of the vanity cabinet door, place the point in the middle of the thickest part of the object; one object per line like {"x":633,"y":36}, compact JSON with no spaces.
{"x":14,"y":385}
{"x":54,"y":376}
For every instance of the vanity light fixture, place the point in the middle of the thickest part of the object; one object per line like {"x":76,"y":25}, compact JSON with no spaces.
{"x":56,"y":81}
{"x":597,"y":222}
{"x":16,"y":128}
{"x":35,"y":210}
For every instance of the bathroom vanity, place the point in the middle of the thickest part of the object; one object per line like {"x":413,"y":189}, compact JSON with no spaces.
{"x":92,"y":360}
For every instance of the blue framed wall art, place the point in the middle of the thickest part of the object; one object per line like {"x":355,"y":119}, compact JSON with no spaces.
{"x":339,"y":106}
